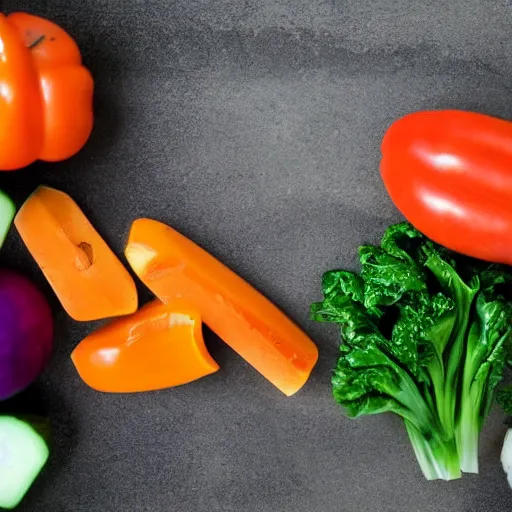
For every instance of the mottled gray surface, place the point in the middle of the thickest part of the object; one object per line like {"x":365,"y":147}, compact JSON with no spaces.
{"x":254,"y":127}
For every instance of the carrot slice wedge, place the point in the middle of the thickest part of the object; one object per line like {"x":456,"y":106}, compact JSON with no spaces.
{"x":172,"y":266}
{"x":87,"y":277}
{"x":158,"y":347}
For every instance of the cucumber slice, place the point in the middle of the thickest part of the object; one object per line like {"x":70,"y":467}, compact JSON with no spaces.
{"x":7,"y":212}
{"x":23,"y":453}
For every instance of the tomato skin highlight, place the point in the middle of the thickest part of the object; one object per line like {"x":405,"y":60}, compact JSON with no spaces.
{"x":449,"y":173}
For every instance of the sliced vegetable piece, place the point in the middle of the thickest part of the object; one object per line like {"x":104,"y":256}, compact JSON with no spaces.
{"x":158,"y":347}
{"x":172,"y":266}
{"x":7,"y":211}
{"x":85,"y":274}
{"x":23,"y":454}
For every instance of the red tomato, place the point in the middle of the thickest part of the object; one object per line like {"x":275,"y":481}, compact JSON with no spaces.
{"x":450,"y":174}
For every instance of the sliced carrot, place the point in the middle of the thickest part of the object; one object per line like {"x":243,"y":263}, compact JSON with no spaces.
{"x":158,"y":347}
{"x":85,"y":274}
{"x":172,"y":266}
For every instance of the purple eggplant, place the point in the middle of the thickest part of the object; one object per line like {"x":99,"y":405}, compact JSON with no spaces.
{"x":26,"y":333}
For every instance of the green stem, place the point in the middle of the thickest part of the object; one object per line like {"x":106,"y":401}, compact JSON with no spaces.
{"x":463,"y":296}
{"x":468,"y":427}
{"x":438,"y":460}
{"x":436,"y":372}
{"x":468,"y":434}
{"x":454,"y":361}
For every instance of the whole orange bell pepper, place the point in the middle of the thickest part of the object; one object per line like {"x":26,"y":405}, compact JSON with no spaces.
{"x":45,"y":93}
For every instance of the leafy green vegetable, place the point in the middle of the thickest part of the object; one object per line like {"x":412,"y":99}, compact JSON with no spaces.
{"x":425,"y":334}
{"x":504,"y":399}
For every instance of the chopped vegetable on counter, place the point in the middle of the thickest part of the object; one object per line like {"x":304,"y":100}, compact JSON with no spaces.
{"x":86,"y":275}
{"x":173,"y":267}
{"x":7,"y":212}
{"x":47,"y":94}
{"x":425,"y":334}
{"x":158,"y":347}
{"x":23,"y":454}
{"x":448,"y":172}
{"x":26,"y":333}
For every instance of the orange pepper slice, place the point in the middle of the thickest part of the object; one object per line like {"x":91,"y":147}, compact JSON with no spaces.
{"x":172,"y":266}
{"x":158,"y":347}
{"x":87,"y":277}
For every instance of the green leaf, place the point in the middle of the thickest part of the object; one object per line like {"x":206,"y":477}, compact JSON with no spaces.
{"x":403,"y":242}
{"x":341,"y":282}
{"x":386,"y":278}
{"x":412,"y":333}
{"x":370,"y":404}
{"x":504,"y":399}
{"x":331,"y":310}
